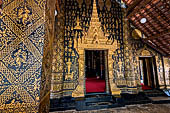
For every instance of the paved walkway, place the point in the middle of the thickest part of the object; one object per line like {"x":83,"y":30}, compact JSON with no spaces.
{"x":142,"y":108}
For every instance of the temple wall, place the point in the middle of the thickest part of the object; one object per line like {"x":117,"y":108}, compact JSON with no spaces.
{"x":126,"y":69}
{"x":26,"y":29}
{"x":110,"y":16}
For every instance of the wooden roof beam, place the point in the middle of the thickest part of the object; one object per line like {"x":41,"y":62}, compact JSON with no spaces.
{"x":143,"y":4}
{"x":132,"y":6}
{"x":155,"y":47}
{"x":159,"y":35}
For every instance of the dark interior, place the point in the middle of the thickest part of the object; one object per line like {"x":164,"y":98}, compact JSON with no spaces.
{"x":95,"y":65}
{"x":95,"y":71}
{"x":150,"y":80}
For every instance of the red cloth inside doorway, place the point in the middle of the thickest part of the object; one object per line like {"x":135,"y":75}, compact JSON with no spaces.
{"x":94,"y":85}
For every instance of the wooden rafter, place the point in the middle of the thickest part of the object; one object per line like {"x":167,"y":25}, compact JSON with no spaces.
{"x":157,"y":26}
{"x":133,"y":5}
{"x":155,"y":47}
{"x":138,"y":8}
{"x":159,"y":35}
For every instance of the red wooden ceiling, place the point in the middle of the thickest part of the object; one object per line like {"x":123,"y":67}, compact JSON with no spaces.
{"x":157,"y":26}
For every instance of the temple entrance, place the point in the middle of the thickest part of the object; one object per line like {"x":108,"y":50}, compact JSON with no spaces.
{"x":149,"y":79}
{"x":95,"y":70}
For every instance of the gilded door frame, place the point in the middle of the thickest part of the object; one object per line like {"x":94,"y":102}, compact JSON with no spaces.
{"x":80,"y":90}
{"x":106,"y":70}
{"x":146,"y":52}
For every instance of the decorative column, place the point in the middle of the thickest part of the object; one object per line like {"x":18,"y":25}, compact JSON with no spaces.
{"x":58,"y":55}
{"x":129,"y":61}
{"x":167,"y":70}
{"x":26,"y":35}
{"x":159,"y":65}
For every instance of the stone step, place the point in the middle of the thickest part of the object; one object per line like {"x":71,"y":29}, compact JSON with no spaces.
{"x":99,"y":99}
{"x":160,"y":100}
{"x":154,"y":93}
{"x":66,"y":103}
{"x":130,"y":99}
{"x":94,"y":102}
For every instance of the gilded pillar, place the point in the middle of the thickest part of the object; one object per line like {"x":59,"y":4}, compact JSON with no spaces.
{"x":167,"y":70}
{"x":26,"y":33}
{"x":131,"y":61}
{"x":159,"y":65}
{"x":47,"y":55}
{"x":58,"y":55}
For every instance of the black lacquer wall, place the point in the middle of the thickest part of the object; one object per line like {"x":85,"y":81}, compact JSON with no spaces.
{"x":111,"y":18}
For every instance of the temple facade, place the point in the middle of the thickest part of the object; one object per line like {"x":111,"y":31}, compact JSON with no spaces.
{"x":88,"y":48}
{"x":102,"y":26}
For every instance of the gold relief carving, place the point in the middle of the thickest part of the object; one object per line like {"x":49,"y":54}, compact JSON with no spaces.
{"x":56,"y":87}
{"x":145,"y":52}
{"x":78,"y":27}
{"x":68,"y":85}
{"x":94,"y":39}
{"x":132,"y":74}
{"x":58,"y":56}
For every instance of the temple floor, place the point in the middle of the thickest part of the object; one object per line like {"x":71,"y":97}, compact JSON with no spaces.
{"x":139,"y":108}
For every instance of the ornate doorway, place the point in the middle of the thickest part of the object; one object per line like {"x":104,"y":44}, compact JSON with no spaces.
{"x":96,"y":71}
{"x":149,"y":79}
{"x":94,"y":39}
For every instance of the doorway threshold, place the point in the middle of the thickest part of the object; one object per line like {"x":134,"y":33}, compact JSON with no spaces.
{"x":92,"y":94}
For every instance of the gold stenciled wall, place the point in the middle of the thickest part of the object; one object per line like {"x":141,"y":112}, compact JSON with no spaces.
{"x":25,"y":40}
{"x":77,"y":17}
{"x":110,"y":17}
